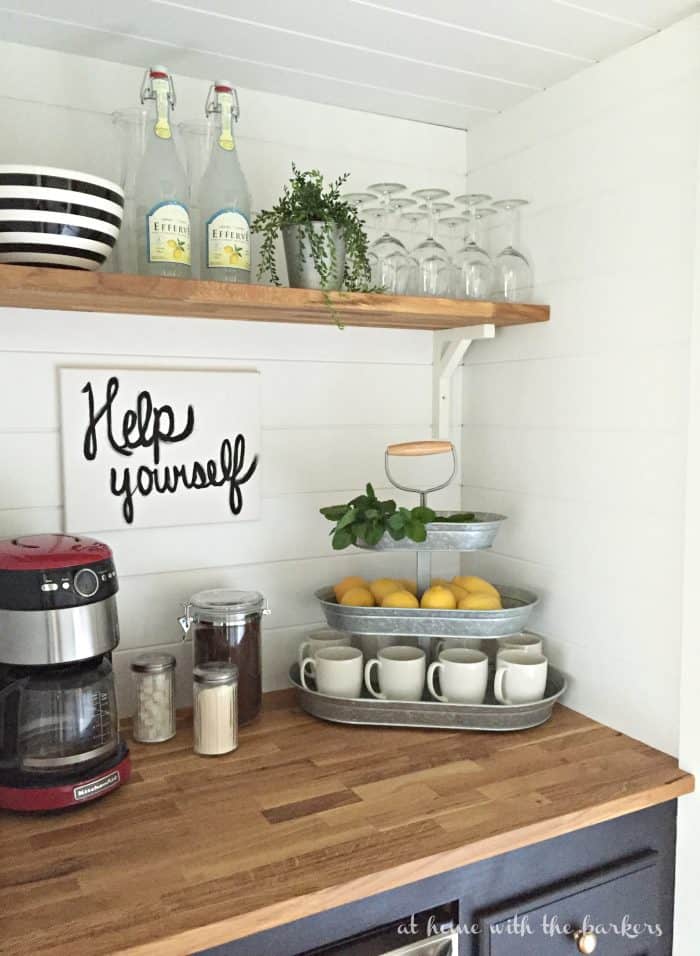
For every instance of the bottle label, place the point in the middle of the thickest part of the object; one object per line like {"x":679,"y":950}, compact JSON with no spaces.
{"x":168,"y":233}
{"x":228,"y":240}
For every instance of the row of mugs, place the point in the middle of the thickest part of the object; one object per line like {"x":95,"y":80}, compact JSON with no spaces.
{"x":371,"y":645}
{"x":340,"y":671}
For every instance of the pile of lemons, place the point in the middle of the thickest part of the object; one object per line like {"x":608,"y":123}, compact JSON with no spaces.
{"x":463,"y":592}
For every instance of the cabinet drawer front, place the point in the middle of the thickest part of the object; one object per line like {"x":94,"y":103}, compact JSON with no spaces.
{"x":618,"y":903}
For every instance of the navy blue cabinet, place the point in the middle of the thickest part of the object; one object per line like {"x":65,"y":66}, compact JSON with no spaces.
{"x":606,"y":889}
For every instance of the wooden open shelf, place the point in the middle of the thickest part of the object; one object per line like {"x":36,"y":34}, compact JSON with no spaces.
{"x":31,"y":287}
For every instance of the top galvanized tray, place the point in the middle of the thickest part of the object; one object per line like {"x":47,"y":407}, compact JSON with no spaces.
{"x":518,"y":605}
{"x":469,"y":536}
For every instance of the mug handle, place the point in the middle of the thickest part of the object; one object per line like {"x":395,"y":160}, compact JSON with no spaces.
{"x":368,"y":678}
{"x":498,"y":685}
{"x":304,"y":651}
{"x":432,"y":670}
{"x":307,"y":662}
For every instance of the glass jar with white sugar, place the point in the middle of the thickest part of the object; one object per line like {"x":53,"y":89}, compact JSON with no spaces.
{"x":154,"y":719}
{"x":215,"y":700}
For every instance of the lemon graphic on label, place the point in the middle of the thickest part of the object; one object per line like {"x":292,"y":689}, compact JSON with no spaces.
{"x":179,"y":254}
{"x":235,"y":256}
{"x":171,"y":244}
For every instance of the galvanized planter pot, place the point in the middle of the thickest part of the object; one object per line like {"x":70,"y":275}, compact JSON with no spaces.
{"x":301,"y":270}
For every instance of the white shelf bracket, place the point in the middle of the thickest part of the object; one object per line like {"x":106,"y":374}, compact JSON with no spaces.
{"x":449,"y":348}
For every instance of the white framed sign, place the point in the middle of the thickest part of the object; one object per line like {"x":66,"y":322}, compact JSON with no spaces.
{"x":149,"y":448}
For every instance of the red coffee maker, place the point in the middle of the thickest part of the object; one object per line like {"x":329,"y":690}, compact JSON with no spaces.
{"x":59,"y":729}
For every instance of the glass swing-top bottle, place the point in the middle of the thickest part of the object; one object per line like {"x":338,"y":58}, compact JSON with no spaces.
{"x":223,"y":196}
{"x":163,"y":244}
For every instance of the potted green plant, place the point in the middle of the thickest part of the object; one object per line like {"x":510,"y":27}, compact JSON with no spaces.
{"x":325,"y":243}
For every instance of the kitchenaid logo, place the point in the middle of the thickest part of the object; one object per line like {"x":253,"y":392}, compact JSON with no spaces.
{"x":91,"y":789}
{"x":153,"y":427}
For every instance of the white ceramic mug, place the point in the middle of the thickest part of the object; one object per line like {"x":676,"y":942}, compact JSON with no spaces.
{"x":529,"y":643}
{"x":520,"y":678}
{"x":323,"y":637}
{"x":449,"y":643}
{"x":372,"y":644}
{"x":463,"y":676}
{"x":337,"y":671}
{"x":400,"y":672}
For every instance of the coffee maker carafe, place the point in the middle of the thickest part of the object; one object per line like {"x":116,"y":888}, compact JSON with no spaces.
{"x":59,"y":733}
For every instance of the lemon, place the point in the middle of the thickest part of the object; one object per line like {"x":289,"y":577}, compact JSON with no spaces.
{"x":438,"y":598}
{"x":400,"y":599}
{"x":350,"y":582}
{"x":228,"y":250}
{"x":383,"y":586}
{"x":440,"y":582}
{"x":458,"y":592}
{"x":409,"y":585}
{"x":179,"y":254}
{"x":357,"y":597}
{"x":477,"y":585}
{"x":476,"y":601}
{"x":171,"y":243}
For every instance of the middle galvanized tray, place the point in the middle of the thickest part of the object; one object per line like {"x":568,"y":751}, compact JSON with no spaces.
{"x":431,"y":713}
{"x":518,"y":605}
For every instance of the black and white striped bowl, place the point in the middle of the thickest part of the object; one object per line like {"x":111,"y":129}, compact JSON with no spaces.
{"x":57,"y":217}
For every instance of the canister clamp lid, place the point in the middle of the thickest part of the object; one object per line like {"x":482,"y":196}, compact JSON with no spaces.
{"x":222,"y":606}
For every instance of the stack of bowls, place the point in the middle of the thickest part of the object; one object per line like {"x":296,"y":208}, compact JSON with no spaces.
{"x":57,"y":217}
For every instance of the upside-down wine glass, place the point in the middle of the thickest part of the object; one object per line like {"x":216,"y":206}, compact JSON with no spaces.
{"x":434,"y":266}
{"x":359,"y":200}
{"x":388,"y":257}
{"x":513,"y":281}
{"x":453,"y":229}
{"x":412,"y":219}
{"x":474,"y":270}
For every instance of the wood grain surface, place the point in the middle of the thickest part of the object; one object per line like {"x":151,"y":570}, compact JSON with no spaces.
{"x":43,"y":288}
{"x":304,"y":816}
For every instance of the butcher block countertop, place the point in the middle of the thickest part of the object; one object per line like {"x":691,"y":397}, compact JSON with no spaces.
{"x":305,"y":816}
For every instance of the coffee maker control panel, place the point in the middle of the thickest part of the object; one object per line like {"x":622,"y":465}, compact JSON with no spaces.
{"x":71,"y":587}
{"x":57,"y":588}
{"x":54,"y":571}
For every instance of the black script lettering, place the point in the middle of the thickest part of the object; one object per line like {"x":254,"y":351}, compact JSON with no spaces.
{"x":146,"y":426}
{"x":230,"y":469}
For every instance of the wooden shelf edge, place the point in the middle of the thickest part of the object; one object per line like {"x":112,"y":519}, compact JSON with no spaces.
{"x":34,"y":287}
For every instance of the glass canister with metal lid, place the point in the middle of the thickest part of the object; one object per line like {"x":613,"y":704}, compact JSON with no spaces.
{"x":154,"y":719}
{"x":226,"y":628}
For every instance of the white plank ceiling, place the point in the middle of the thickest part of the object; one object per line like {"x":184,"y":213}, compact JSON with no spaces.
{"x":450,"y":62}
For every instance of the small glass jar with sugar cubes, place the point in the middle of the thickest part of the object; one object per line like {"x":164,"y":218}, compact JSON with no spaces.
{"x":154,"y":719}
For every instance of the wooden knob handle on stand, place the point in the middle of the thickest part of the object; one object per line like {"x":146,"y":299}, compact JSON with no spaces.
{"x":415,"y":449}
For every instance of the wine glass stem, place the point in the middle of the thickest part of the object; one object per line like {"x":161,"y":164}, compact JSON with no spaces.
{"x":431,"y":220}
{"x":512,"y":227}
{"x":471,"y":226}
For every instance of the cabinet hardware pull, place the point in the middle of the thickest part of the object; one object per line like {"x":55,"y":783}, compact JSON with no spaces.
{"x":585,"y":942}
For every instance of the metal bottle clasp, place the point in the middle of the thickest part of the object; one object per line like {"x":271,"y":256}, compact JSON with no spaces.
{"x":185,"y":621}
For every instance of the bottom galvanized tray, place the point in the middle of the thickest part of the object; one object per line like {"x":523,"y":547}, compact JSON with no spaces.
{"x":431,"y":713}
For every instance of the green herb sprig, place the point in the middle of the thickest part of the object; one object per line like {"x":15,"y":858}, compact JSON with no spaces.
{"x":368,"y":519}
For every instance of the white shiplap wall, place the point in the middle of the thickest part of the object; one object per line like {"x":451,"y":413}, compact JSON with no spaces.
{"x":331,"y":400}
{"x":577,"y":430}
